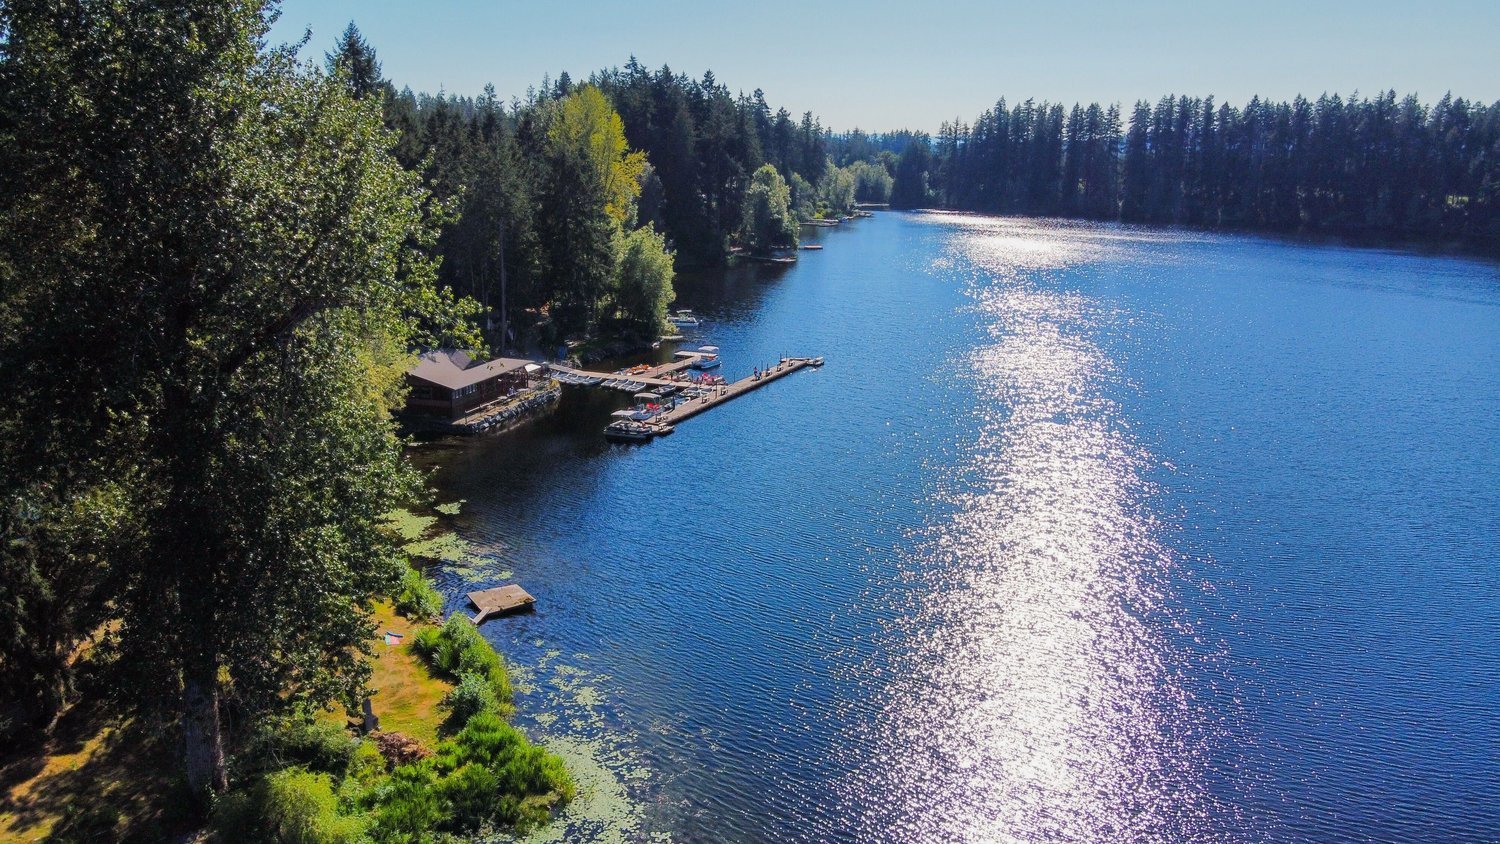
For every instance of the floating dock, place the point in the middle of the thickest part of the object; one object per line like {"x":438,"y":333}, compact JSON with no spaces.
{"x":669,"y":375}
{"x":499,"y":601}
{"x":727,"y":392}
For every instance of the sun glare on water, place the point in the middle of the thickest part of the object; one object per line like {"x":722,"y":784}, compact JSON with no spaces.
{"x":1038,"y":700}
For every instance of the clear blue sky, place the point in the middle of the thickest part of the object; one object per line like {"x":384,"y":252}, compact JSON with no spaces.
{"x":887,"y":65}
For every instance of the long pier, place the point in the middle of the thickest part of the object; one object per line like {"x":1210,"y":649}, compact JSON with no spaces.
{"x":668,"y":375}
{"x":692,"y":407}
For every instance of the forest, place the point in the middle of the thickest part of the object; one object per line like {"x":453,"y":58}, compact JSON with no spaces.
{"x":217,"y":260}
{"x":709,"y":173}
{"x":1377,"y":170}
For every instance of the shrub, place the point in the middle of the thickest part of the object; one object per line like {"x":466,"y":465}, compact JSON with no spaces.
{"x":426,"y":643}
{"x":409,"y":805}
{"x":472,"y":695}
{"x":368,"y":763}
{"x":521,"y":767}
{"x":300,"y":808}
{"x":471,"y":794}
{"x":417,"y":599}
{"x":237,"y":817}
{"x":459,"y":649}
{"x":315,"y":745}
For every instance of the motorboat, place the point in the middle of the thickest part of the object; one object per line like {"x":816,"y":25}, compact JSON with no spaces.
{"x":626,"y":431}
{"x":634,"y":414}
{"x":683,"y":319}
{"x":708,"y":358}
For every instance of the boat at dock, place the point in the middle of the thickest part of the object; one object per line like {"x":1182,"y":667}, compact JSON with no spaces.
{"x":683,"y":319}
{"x":708,"y":358}
{"x":627,"y":431}
{"x":812,"y":246}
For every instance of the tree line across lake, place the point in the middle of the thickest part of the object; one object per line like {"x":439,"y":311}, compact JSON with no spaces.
{"x":1378,"y":169}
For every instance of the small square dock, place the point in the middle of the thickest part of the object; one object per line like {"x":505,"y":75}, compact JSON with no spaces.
{"x":499,"y":601}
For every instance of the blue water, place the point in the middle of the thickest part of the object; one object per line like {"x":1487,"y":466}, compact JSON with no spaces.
{"x":1084,"y":533}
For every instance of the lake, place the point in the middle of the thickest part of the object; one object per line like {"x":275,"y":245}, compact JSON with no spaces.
{"x":1083,"y":533}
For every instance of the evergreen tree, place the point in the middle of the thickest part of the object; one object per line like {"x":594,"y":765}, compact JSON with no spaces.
{"x":356,"y":59}
{"x":909,"y":189}
{"x":253,"y":265}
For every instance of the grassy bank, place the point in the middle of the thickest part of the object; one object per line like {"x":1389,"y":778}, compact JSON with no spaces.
{"x":444,"y":764}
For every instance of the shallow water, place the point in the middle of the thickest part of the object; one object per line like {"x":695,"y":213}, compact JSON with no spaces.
{"x":1084,"y":533}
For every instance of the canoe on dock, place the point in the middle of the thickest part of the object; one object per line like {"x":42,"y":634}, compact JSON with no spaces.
{"x":499,"y":601}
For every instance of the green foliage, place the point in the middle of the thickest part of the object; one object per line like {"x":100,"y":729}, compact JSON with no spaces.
{"x":472,"y":795}
{"x":586,"y":125}
{"x":487,"y":773}
{"x":643,"y":280}
{"x":407,"y":804}
{"x":836,"y":191}
{"x":300,"y":807}
{"x":313,"y":745}
{"x":804,"y":197}
{"x":354,"y":60}
{"x":426,"y":643}
{"x":909,"y":188}
{"x":1379,"y":168}
{"x":417,"y":599}
{"x":768,"y":223}
{"x":460,"y":652}
{"x":473,"y":694}
{"x":367,"y":766}
{"x":230,"y":225}
{"x":521,"y":768}
{"x":406,"y":525}
{"x":872,"y":183}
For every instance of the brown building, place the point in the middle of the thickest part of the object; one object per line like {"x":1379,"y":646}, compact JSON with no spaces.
{"x":452,"y":384}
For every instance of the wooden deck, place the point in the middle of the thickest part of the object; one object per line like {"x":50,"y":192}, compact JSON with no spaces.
{"x":669,"y":375}
{"x":693,"y":407}
{"x":499,"y":601}
{"x":662,"y":375}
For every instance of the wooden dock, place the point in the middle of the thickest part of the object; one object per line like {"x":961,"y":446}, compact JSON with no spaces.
{"x":727,"y":392}
{"x":661,"y":375}
{"x":499,"y":601}
{"x":669,"y":375}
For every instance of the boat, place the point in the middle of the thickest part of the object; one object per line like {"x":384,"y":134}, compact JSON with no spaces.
{"x":683,"y":319}
{"x":812,"y":246}
{"x":634,"y":414}
{"x":626,"y":431}
{"x":708,"y":358}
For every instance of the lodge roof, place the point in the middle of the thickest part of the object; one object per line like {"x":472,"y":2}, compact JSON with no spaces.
{"x":454,"y":369}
